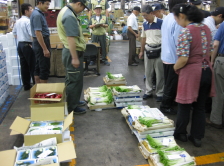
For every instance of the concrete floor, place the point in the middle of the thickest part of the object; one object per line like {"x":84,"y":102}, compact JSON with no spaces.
{"x":103,"y":138}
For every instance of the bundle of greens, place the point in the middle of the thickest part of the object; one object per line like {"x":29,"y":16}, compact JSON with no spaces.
{"x":115,"y":76}
{"x":131,"y":89}
{"x":99,"y":89}
{"x":38,"y":152}
{"x":121,"y":89}
{"x":178,"y":158}
{"x":53,"y":149}
{"x":134,"y":107}
{"x":24,"y":155}
{"x":24,"y":163}
{"x":148,"y":121}
{"x":55,"y":123}
{"x":108,"y":98}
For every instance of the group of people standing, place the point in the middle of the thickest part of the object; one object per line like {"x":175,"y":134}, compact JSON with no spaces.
{"x":185,"y":50}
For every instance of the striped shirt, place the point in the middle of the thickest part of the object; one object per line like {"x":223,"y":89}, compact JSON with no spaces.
{"x":22,"y":29}
{"x":152,"y":31}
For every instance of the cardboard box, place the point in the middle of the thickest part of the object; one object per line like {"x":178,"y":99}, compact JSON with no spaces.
{"x":66,"y":151}
{"x":58,"y":88}
{"x":52,"y":113}
{"x":54,"y":38}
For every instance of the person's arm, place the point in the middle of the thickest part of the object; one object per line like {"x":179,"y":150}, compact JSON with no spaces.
{"x":107,"y":13}
{"x":183,"y":49}
{"x":72,"y":48}
{"x":40,"y":40}
{"x":215,"y":51}
{"x":14,"y":31}
{"x":90,"y":24}
{"x":143,"y":42}
{"x":133,"y":32}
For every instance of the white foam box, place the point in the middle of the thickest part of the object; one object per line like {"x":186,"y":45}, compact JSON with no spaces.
{"x":11,"y":39}
{"x":125,"y":104}
{"x":16,"y":80}
{"x":3,"y":40}
{"x":128,"y":99}
{"x":14,"y":61}
{"x":9,"y":78}
{"x":15,"y":70}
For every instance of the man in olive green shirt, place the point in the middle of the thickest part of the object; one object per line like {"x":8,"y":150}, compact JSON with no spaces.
{"x":98,"y":23}
{"x":70,"y":33}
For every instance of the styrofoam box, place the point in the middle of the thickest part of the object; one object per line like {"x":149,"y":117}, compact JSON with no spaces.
{"x":12,"y":51}
{"x":11,"y":40}
{"x":9,"y":78}
{"x":128,"y":99}
{"x":125,"y":104}
{"x":2,"y":55}
{"x":3,"y":40}
{"x":2,"y":63}
{"x":118,"y":37}
{"x":14,"y":61}
{"x":15,"y":70}
{"x":16,"y":80}
{"x":8,"y":66}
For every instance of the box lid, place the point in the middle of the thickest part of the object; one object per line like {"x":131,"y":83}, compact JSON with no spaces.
{"x":68,"y":120}
{"x":20,"y":125}
{"x":66,"y":151}
{"x":7,"y":158}
{"x":54,"y":113}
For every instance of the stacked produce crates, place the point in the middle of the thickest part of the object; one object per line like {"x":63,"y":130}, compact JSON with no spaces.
{"x":4,"y":84}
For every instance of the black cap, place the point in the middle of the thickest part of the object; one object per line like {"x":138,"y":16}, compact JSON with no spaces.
{"x":196,"y":2}
{"x":218,"y":10}
{"x":137,"y":9}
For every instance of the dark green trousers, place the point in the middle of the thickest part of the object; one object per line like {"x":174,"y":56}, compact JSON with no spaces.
{"x":73,"y":79}
{"x":103,"y":44}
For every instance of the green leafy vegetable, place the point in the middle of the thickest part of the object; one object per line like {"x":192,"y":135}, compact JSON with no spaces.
{"x":57,"y":128}
{"x":36,"y":124}
{"x":55,"y":123}
{"x":24,"y":155}
{"x":107,"y":99}
{"x":153,"y":143}
{"x":103,"y":88}
{"x":133,"y":107}
{"x":38,"y":152}
{"x":148,"y":121}
{"x":189,"y":164}
{"x":53,"y":151}
{"x":163,"y":158}
{"x":175,"y":148}
{"x":110,"y":76}
{"x":119,"y":89}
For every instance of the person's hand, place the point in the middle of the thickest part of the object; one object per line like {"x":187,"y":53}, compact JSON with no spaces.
{"x":212,"y":64}
{"x":140,"y":55}
{"x":47,"y":53}
{"x":136,"y":35}
{"x":75,"y":62}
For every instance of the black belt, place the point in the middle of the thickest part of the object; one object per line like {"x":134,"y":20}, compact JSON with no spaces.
{"x":156,"y":46}
{"x":25,"y":42}
{"x":221,"y":55}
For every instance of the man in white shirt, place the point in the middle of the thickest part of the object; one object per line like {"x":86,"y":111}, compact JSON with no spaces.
{"x":22,"y":31}
{"x":132,"y":35}
{"x":216,"y":18}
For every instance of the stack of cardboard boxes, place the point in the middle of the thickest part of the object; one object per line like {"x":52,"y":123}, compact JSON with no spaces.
{"x":53,"y":111}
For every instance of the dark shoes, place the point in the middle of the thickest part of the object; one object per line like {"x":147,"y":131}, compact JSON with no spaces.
{"x":145,"y":96}
{"x":79,"y":110}
{"x":208,"y":122}
{"x":133,"y":64}
{"x":181,"y":137}
{"x":106,"y":63}
{"x":195,"y":141}
{"x":81,"y":103}
{"x":159,"y":98}
{"x":168,"y":111}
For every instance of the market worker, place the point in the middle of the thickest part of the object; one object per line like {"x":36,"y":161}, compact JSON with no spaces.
{"x":151,"y":50}
{"x":99,"y":31}
{"x":158,"y":10}
{"x":41,"y":41}
{"x":132,"y":35}
{"x":217,"y":59}
{"x":103,"y":3}
{"x":216,"y":18}
{"x":198,"y":3}
{"x":70,"y":33}
{"x":22,"y":32}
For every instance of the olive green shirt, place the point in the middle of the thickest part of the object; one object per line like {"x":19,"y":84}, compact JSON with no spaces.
{"x":68,"y":25}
